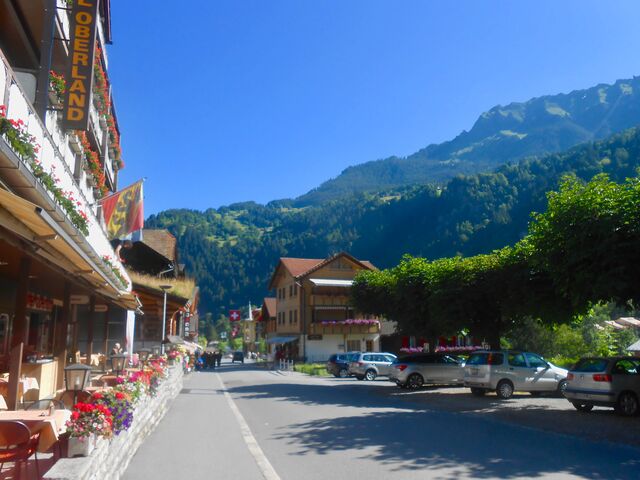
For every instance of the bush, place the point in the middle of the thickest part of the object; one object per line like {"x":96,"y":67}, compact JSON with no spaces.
{"x":317,"y":369}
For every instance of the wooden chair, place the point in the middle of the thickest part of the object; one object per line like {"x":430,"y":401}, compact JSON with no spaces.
{"x":108,"y":380}
{"x":67,"y":398}
{"x":17,"y":444}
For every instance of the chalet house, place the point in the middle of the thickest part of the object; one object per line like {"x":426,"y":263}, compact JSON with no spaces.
{"x":313,"y":315}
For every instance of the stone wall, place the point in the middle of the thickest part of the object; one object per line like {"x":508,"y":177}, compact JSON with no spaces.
{"x":111,"y":457}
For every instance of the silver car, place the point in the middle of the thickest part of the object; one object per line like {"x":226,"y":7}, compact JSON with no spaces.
{"x":507,"y":371}
{"x":413,"y":371}
{"x":369,"y":365}
{"x":607,"y":382}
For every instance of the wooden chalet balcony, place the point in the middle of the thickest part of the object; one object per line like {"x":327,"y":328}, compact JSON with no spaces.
{"x":319,"y":328}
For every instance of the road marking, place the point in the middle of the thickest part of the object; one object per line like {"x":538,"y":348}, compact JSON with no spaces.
{"x":267,"y":470}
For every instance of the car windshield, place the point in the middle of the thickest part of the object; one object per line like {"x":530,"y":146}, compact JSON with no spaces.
{"x":591,"y":365}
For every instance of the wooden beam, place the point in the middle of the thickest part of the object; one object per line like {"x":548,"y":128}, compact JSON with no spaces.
{"x":20,"y":321}
{"x":15,"y":368}
{"x":92,"y":320}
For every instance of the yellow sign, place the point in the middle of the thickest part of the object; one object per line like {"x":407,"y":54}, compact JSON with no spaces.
{"x":84,"y":17}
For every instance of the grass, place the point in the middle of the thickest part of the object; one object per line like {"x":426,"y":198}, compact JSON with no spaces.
{"x":317,"y":369}
{"x":180,"y":287}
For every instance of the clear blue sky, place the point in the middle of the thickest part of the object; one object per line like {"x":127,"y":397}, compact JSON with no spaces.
{"x":221,"y":101}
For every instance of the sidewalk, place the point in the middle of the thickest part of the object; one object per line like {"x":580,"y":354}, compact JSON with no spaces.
{"x":198,"y":438}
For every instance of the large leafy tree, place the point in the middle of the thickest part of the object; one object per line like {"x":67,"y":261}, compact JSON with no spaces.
{"x":588,"y":241}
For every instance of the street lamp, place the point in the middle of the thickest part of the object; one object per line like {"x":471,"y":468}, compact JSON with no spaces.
{"x":117,"y":362}
{"x":76,"y":378}
{"x":164,"y":288}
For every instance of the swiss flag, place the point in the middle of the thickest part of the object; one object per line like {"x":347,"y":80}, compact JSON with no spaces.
{"x":234,"y":315}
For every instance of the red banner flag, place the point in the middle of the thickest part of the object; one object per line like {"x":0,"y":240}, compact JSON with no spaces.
{"x":123,"y":212}
{"x":234,"y":315}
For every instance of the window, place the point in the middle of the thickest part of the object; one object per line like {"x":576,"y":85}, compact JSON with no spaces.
{"x":486,"y":359}
{"x":369,"y":345}
{"x":290,"y":316}
{"x":291,"y":290}
{"x":517,"y":360}
{"x":295,"y":289}
{"x":591,"y":365}
{"x":626,"y":367}
{"x":295,"y":316}
{"x":536,"y":361}
{"x":369,"y":358}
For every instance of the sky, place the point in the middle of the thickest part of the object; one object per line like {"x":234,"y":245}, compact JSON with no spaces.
{"x":223,"y":101}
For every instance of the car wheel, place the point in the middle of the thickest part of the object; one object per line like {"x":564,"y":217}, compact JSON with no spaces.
{"x":478,"y":392}
{"x":415,"y":381}
{"x":562,"y":386}
{"x":343,"y":373}
{"x":360,"y":377}
{"x":370,"y":375}
{"x":582,"y":407}
{"x":627,"y":405}
{"x":504,"y":389}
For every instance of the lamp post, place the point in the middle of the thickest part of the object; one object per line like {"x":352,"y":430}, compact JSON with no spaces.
{"x":76,"y":378}
{"x":164,"y":316}
{"x":117,"y":362}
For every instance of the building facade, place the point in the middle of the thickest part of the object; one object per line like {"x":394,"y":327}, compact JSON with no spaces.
{"x":313,"y":315}
{"x":65,"y":294}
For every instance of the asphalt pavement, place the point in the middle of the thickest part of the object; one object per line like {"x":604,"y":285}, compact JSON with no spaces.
{"x":291,"y":426}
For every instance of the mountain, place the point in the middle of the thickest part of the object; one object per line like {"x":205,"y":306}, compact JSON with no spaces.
{"x":233,"y":250}
{"x":551,"y":123}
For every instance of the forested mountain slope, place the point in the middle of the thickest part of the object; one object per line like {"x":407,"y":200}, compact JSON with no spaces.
{"x":233,"y":250}
{"x":551,"y":123}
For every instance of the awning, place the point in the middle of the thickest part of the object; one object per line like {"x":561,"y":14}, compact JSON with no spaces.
{"x":634,"y":322}
{"x":35,"y":225}
{"x":331,"y":282}
{"x":280,"y":340}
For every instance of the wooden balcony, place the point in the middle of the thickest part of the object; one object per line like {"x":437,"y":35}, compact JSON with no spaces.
{"x":319,"y":328}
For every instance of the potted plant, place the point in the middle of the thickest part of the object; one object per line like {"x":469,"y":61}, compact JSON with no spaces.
{"x":88,"y":422}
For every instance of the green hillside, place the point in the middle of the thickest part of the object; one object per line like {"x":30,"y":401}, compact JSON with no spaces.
{"x":541,"y":125}
{"x":232,"y":250}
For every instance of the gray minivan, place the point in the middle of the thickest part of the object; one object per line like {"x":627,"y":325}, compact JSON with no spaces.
{"x":507,"y":371}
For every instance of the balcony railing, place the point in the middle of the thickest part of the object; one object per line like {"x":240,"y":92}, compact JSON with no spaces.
{"x":319,"y":328}
{"x":57,"y":158}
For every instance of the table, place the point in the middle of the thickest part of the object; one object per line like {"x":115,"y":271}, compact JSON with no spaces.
{"x":39,"y":421}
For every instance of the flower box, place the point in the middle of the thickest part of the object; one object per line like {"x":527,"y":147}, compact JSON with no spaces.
{"x":81,"y":446}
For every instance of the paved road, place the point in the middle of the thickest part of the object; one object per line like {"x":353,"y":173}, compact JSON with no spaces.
{"x":317,"y":428}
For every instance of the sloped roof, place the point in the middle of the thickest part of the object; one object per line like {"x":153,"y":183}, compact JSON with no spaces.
{"x":162,"y":241}
{"x":269,"y":304}
{"x":300,"y":267}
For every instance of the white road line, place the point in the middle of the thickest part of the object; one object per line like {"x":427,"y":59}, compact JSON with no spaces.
{"x":267,"y":470}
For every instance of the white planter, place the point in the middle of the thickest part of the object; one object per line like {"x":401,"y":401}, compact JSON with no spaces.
{"x":81,"y":446}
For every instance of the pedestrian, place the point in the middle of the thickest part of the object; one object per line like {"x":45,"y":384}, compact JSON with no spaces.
{"x":219,"y":358}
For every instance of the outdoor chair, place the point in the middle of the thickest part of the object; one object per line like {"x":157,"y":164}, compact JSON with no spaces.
{"x":67,"y":398}
{"x":17,"y":444}
{"x":45,"y":404}
{"x":108,"y":380}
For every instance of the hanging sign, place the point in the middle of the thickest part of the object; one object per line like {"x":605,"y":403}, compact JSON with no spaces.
{"x":82,"y":44}
{"x":39,"y":302}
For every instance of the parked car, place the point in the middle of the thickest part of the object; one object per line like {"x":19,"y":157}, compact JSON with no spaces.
{"x":413,"y":371}
{"x":507,"y":371}
{"x":607,"y":382}
{"x":369,"y":365}
{"x":338,"y":363}
{"x":237,"y":357}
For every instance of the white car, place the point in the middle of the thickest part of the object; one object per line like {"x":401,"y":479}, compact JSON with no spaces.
{"x":506,"y":371}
